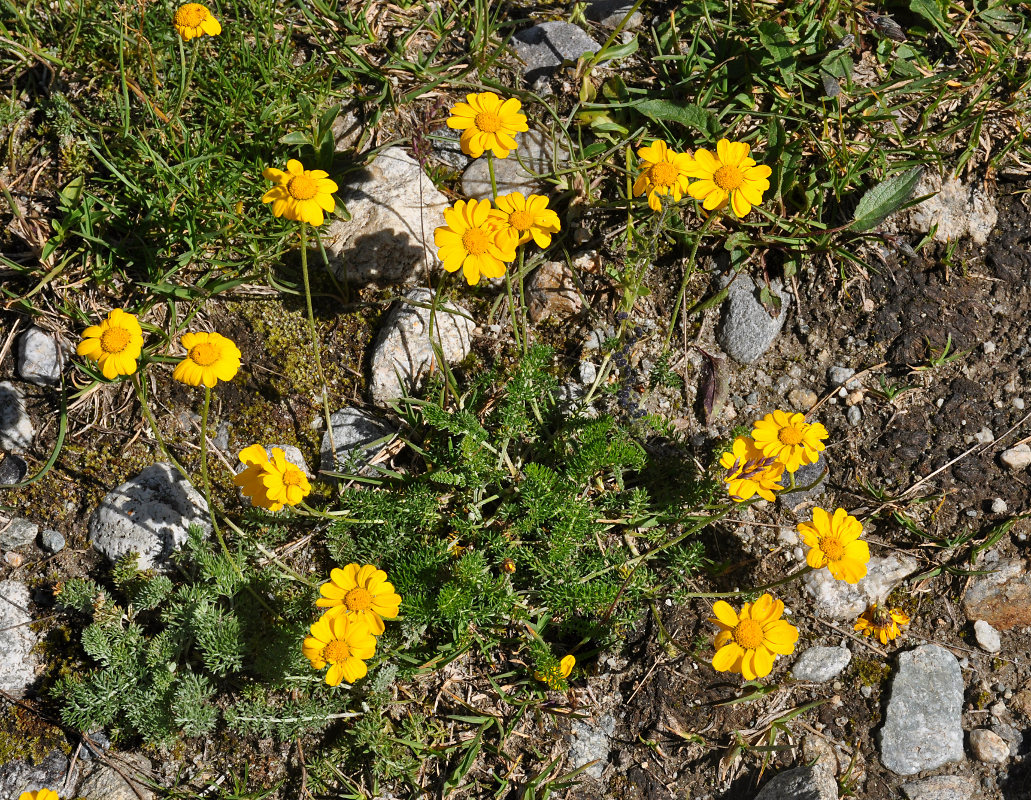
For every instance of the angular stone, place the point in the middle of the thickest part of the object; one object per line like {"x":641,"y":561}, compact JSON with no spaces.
{"x":150,"y":515}
{"x":404,"y":354}
{"x":821,"y":664}
{"x":1016,"y":458}
{"x":17,"y":775}
{"x":544,"y":47}
{"x":941,"y":787}
{"x":394,"y":210}
{"x":987,"y":636}
{"x":16,"y":431}
{"x":1003,"y":598}
{"x":552,"y":293}
{"x":17,"y":661}
{"x":801,"y":783}
{"x":957,"y":209}
{"x":988,"y":746}
{"x":354,"y":432}
{"x":106,"y":783}
{"x":922,"y":727}
{"x":18,"y":533}
{"x":52,"y":541}
{"x":535,"y":158}
{"x":839,"y":600}
{"x":591,"y":741}
{"x":610,"y":13}
{"x":746,"y":329}
{"x":40,"y":358}
{"x":12,"y":470}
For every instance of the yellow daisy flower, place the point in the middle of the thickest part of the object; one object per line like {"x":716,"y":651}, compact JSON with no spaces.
{"x":271,"y":482}
{"x":728,"y":173}
{"x":193,"y":20}
{"x":115,"y":344}
{"x":555,"y":676}
{"x":42,"y":794}
{"x":834,"y":543}
{"x":210,"y":358}
{"x":470,"y":241}
{"x":789,"y":439}
{"x":360,"y":593}
{"x":342,"y":643}
{"x":749,"y":472}
{"x":664,"y":173}
{"x":749,"y":642}
{"x":882,"y":623}
{"x":300,"y":194}
{"x":520,"y":219}
{"x":487,"y":123}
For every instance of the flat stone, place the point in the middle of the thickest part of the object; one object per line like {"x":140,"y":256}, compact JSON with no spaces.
{"x":16,"y":431}
{"x":150,"y":515}
{"x":12,"y":470}
{"x":957,"y":209}
{"x":18,"y":775}
{"x":987,"y":636}
{"x":805,"y":475}
{"x":821,"y":664}
{"x":534,"y":158}
{"x":40,"y":358}
{"x":18,"y":533}
{"x":552,"y":293}
{"x":394,"y":210}
{"x":922,"y":727}
{"x":1016,"y":458}
{"x":610,"y":13}
{"x":591,"y":741}
{"x":801,"y":783}
{"x":404,"y":355}
{"x":838,"y":600}
{"x":52,"y":541}
{"x":941,"y":787}
{"x":446,"y":147}
{"x":746,"y":330}
{"x":1003,"y":598}
{"x":543,"y":48}
{"x":106,"y":783}
{"x":354,"y":432}
{"x":988,"y":746}
{"x":17,"y":661}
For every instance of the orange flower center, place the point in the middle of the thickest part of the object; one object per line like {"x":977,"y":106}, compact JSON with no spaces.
{"x":204,"y":354}
{"x":293,"y":477}
{"x":335,"y":651}
{"x":521,"y":220}
{"x":114,"y":340}
{"x":358,"y":599}
{"x":475,"y":241}
{"x":302,"y":187}
{"x":664,"y":174}
{"x":789,"y":436}
{"x":832,"y":548}
{"x":190,"y":15}
{"x":488,"y":122}
{"x":748,"y":633}
{"x":728,"y":178}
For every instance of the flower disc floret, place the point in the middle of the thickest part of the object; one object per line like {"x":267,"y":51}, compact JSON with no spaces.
{"x":210,"y":358}
{"x":728,"y":174}
{"x":834,"y":542}
{"x":343,"y":643}
{"x":362,"y":593}
{"x":749,"y":641}
{"x":487,"y":123}
{"x":882,"y":622}
{"x":471,"y":241}
{"x":300,"y":194}
{"x":520,"y":219}
{"x":193,"y":20}
{"x":664,"y":173}
{"x":115,"y":344}
{"x":789,"y":439}
{"x":749,"y":472}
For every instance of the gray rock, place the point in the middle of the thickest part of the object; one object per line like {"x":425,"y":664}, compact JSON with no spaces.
{"x":544,"y":47}
{"x":746,"y":329}
{"x":922,"y":724}
{"x":12,"y":470}
{"x":838,"y":375}
{"x":106,"y":783}
{"x":17,"y":661}
{"x":1015,"y":458}
{"x":838,"y":600}
{"x":988,"y":746}
{"x":941,"y":787}
{"x":609,"y":13}
{"x":552,"y":294}
{"x":805,"y":475}
{"x":447,"y":148}
{"x":987,"y":636}
{"x":800,"y":783}
{"x":802,"y":399}
{"x":40,"y":358}
{"x":1002,"y":598}
{"x":957,"y":209}
{"x":999,"y":506}
{"x":354,"y":432}
{"x":394,"y":210}
{"x":18,"y":775}
{"x":52,"y":541}
{"x":821,"y":664}
{"x":150,"y":515}
{"x":535,"y":158}
{"x":403,"y":354}
{"x":18,"y":533}
{"x":16,"y":431}
{"x":591,"y":742}
{"x":854,"y":415}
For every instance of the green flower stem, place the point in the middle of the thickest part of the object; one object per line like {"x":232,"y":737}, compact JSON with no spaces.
{"x":688,"y":272}
{"x":508,"y":272}
{"x":185,"y":85}
{"x":141,"y":395}
{"x":522,"y":300}
{"x":204,"y":460}
{"x":314,"y":333}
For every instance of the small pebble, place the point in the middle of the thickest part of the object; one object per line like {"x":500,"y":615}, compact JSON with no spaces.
{"x":988,"y":746}
{"x":972,"y":513}
{"x":998,"y":709}
{"x":1016,"y":458}
{"x":1018,"y":403}
{"x":51,"y":541}
{"x":984,"y":436}
{"x":853,"y":415}
{"x":752,"y":398}
{"x":989,"y":348}
{"x":14,"y":559}
{"x":854,"y":398}
{"x":802,"y":399}
{"x":999,"y":506}
{"x":987,"y":636}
